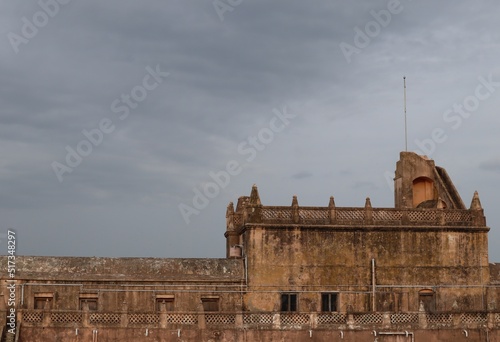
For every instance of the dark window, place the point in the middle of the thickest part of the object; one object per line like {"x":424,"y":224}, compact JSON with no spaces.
{"x":328,"y":302}
{"x":89,"y":304}
{"x":210,"y":304}
{"x":427,"y":299}
{"x":43,"y":303}
{"x":164,"y":304}
{"x":384,"y":301}
{"x":289,"y":302}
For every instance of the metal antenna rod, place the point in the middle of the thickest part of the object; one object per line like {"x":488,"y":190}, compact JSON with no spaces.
{"x":406,"y":129}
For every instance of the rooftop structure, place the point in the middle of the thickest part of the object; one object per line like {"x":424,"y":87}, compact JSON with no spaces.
{"x":415,"y":272}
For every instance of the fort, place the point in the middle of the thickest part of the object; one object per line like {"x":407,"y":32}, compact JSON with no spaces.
{"x":416,"y":272}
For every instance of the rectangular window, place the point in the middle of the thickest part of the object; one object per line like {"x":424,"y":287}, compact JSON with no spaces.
{"x":164,"y":303}
{"x":288,"y":302}
{"x":427,"y":299}
{"x":43,"y":302}
{"x":210,"y":303}
{"x":329,"y":302}
{"x":88,"y":302}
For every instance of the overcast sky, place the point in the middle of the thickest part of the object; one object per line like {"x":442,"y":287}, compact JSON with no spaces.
{"x":114,"y":114}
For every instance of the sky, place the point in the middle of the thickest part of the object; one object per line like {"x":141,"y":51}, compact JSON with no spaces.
{"x":126,"y":127}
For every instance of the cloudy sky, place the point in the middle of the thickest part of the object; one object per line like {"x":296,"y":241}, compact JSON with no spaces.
{"x":115,"y":114}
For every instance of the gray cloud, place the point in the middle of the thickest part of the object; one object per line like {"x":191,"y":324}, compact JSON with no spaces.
{"x":491,"y":165}
{"x":302,"y":175}
{"x":226,"y":77}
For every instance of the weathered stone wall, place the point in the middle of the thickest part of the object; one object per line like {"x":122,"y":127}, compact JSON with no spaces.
{"x":125,"y":269}
{"x":125,"y":284}
{"x":328,"y":258}
{"x":166,"y":335}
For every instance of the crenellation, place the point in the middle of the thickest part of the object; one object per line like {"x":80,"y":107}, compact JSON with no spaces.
{"x":358,"y":216}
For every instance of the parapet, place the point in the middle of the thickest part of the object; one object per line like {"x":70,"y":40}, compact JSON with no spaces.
{"x":425,"y":198}
{"x":367,"y":216}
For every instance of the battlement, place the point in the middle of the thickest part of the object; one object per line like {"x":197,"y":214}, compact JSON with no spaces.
{"x":425,"y":199}
{"x":359,"y":217}
{"x":251,"y":211}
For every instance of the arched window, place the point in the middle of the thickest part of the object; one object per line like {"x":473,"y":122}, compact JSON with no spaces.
{"x":423,"y":190}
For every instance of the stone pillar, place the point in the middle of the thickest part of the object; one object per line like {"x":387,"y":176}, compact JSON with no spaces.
{"x":239,"y":320}
{"x":457,"y":320}
{"x":332,"y":212}
{"x":201,"y":317}
{"x":441,"y":220}
{"x":422,"y":320}
{"x":368,"y":212}
{"x":163,"y":319}
{"x":314,"y":320}
{"x":276,"y":321}
{"x":295,"y":210}
{"x":124,"y":315}
{"x":46,"y":320}
{"x":491,"y":324}
{"x":404,"y":219}
{"x":254,"y":210}
{"x":232,"y":236}
{"x":386,"y":320}
{"x":477,"y":211}
{"x":85,"y":317}
{"x":350,"y":321}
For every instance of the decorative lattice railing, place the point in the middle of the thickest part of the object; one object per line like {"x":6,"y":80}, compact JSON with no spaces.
{"x":184,"y":319}
{"x":220,"y":319}
{"x":144,"y":319}
{"x":362,"y":216}
{"x":368,"y":318}
{"x":238,"y":220}
{"x":277,"y":214}
{"x":298,"y":320}
{"x":294,"y":319}
{"x":313,"y":215}
{"x":33,"y":317}
{"x":474,"y":318}
{"x":440,"y":319}
{"x":350,"y":215}
{"x":332,"y":318}
{"x":258,"y":318}
{"x":105,"y":318}
{"x":404,"y":318}
{"x":66,"y":317}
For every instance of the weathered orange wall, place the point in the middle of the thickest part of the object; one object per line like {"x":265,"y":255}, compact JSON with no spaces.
{"x":165,"y":335}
